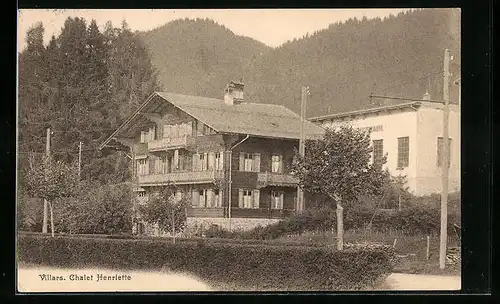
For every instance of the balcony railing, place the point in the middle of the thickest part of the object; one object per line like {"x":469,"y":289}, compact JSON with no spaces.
{"x":167,"y":143}
{"x":205,"y":212}
{"x":277,"y":179}
{"x":260,"y":213}
{"x":187,"y":177}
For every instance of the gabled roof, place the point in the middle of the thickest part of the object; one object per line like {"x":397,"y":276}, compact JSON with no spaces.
{"x":254,"y":119}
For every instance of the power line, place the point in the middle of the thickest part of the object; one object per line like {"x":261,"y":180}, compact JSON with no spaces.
{"x":408,"y":81}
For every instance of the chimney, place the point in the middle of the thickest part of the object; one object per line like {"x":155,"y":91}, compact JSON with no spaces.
{"x":426,"y":96}
{"x":233,"y":93}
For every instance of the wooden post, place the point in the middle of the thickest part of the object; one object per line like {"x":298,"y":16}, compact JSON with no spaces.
{"x":173,"y":225}
{"x":427,"y":251}
{"x":444,"y":164}
{"x":51,"y":220}
{"x":340,"y":226}
{"x":303,"y":107}
{"x":229,"y":190}
{"x":45,"y":202}
{"x":79,"y":160}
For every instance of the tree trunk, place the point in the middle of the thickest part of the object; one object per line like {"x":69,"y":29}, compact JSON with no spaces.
{"x":173,"y":227}
{"x":45,"y":213}
{"x":340,"y":226}
{"x":51,"y":220}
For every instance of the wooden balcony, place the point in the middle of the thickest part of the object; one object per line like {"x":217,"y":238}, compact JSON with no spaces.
{"x":277,"y":179}
{"x":186,"y":177}
{"x":167,"y":144}
{"x":205,"y":212}
{"x":260,"y":213}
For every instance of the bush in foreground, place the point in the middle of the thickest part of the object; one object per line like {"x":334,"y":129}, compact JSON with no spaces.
{"x":262,"y":267}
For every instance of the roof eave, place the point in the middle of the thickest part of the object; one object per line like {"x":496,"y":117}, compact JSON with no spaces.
{"x":366,"y":111}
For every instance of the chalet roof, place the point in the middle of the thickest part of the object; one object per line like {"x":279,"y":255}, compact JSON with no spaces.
{"x":254,"y":119}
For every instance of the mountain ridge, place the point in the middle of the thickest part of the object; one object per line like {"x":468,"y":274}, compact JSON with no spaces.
{"x":343,"y":64}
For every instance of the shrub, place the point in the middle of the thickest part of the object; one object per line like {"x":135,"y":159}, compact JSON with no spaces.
{"x":261,"y":267}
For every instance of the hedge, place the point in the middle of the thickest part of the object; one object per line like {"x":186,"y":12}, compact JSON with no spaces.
{"x":261,"y":267}
{"x":415,"y":219}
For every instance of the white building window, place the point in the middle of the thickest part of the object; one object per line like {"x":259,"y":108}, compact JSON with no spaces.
{"x":378,"y":151}
{"x":277,"y":164}
{"x":403,"y":152}
{"x":277,"y":200}
{"x":440,"y":147}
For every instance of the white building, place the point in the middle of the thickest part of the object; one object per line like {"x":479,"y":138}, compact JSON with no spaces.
{"x":410,"y":135}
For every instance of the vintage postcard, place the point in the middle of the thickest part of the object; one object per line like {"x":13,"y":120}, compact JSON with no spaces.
{"x":238,"y":150}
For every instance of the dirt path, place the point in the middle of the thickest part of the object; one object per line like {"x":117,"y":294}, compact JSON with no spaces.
{"x":402,"y":281}
{"x":49,"y":279}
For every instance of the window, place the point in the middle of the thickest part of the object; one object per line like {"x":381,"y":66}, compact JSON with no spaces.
{"x":378,"y":151}
{"x":248,"y":198}
{"x":276,"y":199}
{"x":141,"y":194}
{"x":143,"y":137}
{"x":142,"y":167}
{"x":440,"y":147}
{"x":277,"y":164}
{"x":250,"y":162}
{"x":217,"y":198}
{"x":403,"y":152}
{"x":203,"y":195}
{"x":203,"y":162}
{"x":218,"y":161}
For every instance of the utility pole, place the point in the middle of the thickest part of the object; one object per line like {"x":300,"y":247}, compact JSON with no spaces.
{"x":445,"y":162}
{"x":79,"y":160}
{"x":45,"y":203}
{"x":303,"y":106}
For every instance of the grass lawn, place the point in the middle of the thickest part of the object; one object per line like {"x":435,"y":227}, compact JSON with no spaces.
{"x":412,"y":250}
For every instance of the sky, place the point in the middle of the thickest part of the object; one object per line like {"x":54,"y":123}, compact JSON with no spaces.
{"x":273,"y":27}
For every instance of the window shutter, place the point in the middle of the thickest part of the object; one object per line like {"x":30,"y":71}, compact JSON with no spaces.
{"x":195,"y":198}
{"x":205,"y":162}
{"x":256,"y":162}
{"x":240,"y":198}
{"x":221,"y":161}
{"x":242,"y":161}
{"x":195,"y":161}
{"x":256,"y":198}
{"x":219,"y":203}
{"x":280,"y":170}
{"x":142,"y":137}
{"x":210,"y":198}
{"x":211,"y":159}
{"x":281,"y":200}
{"x":189,"y":128}
{"x":176,"y":160}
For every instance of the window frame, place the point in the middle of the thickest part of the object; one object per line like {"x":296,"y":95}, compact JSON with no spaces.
{"x":403,"y":160}
{"x":378,"y":154}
